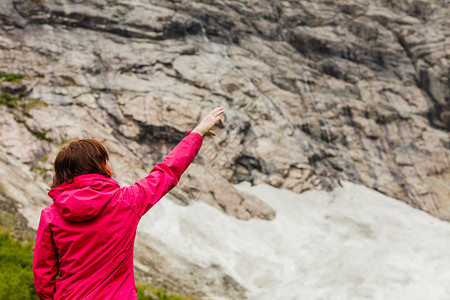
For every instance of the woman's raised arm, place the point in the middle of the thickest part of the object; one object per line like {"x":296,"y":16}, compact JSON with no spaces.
{"x":165,"y":175}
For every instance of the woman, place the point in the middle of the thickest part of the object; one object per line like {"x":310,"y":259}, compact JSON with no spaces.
{"x":84,"y":245}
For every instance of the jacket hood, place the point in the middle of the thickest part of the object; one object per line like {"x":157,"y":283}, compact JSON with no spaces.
{"x":83,"y":198}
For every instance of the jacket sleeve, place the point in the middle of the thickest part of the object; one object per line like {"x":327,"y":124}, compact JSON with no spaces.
{"x":45,"y":261}
{"x":164,"y":176}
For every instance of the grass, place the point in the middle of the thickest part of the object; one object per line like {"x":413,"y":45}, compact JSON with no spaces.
{"x":8,"y":100}
{"x":16,"y":277}
{"x":40,"y":135}
{"x":28,"y":104}
{"x":33,"y":103}
{"x":11,"y":76}
{"x":146,"y":292}
{"x":41,"y":170}
{"x":16,"y":274}
{"x":67,"y":81}
{"x":8,"y":220}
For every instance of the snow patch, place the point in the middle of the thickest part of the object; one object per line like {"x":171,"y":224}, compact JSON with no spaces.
{"x":351,"y":243}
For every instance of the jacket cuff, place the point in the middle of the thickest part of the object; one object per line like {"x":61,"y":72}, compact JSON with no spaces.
{"x":194,"y":133}
{"x":197,"y":138}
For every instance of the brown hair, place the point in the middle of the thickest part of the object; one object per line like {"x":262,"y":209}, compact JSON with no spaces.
{"x":80,"y":157}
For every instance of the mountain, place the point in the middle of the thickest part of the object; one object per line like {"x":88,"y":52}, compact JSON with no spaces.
{"x":315,"y":93}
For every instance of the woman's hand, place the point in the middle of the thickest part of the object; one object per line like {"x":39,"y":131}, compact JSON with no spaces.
{"x":208,"y":122}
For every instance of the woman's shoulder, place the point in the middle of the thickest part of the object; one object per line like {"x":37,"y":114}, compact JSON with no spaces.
{"x":49,"y":213}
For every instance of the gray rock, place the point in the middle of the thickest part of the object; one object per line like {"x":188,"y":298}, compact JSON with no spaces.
{"x":314,"y":92}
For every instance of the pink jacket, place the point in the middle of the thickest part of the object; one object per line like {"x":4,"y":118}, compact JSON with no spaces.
{"x":84,"y":245}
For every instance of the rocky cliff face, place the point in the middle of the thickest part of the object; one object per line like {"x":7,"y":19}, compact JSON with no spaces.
{"x":314,"y":91}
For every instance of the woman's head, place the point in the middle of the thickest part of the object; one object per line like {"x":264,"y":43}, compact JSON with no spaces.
{"x":80,"y":157}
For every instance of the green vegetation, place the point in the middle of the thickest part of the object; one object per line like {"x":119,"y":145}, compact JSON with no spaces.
{"x":25,"y":104}
{"x":5,"y":97}
{"x":41,"y":170}
{"x":8,"y":100}
{"x":175,"y":35}
{"x":146,"y":292}
{"x":7,"y":220}
{"x":28,"y":104}
{"x":40,"y":135}
{"x":67,"y":81}
{"x":11,"y":76}
{"x":36,"y":167}
{"x":16,"y":277}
